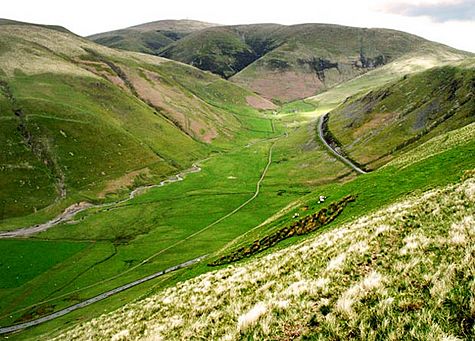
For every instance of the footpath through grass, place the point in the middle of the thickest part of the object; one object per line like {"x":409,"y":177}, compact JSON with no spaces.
{"x":129,"y":233}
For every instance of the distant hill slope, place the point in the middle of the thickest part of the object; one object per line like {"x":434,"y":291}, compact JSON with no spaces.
{"x":150,"y":37}
{"x":373,"y":128}
{"x":14,"y":22}
{"x":79,"y":120}
{"x":225,"y":50}
{"x":293,"y":62}
{"x":311,"y":58}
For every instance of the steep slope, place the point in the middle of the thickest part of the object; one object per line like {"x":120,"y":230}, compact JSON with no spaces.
{"x":373,"y":128}
{"x":292,"y":62}
{"x":80,"y":120}
{"x":150,"y":37}
{"x":314,"y":57}
{"x":404,"y":66}
{"x":224,"y":50}
{"x":406,"y":269}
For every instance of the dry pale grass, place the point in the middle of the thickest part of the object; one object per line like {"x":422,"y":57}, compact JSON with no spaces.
{"x":123,"y":182}
{"x":405,"y":272}
{"x":35,"y":50}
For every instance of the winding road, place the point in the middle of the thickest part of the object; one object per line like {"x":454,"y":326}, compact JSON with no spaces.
{"x":178,"y":177}
{"x":333,"y":151}
{"x":100,"y":297}
{"x":74,"y":209}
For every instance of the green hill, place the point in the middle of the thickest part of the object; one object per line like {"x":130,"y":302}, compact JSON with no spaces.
{"x":150,"y":37}
{"x":80,"y":120}
{"x":383,"y":254}
{"x":372,"y":129}
{"x":294,"y":62}
{"x":14,"y":22}
{"x":224,"y":50}
{"x":312,"y":58}
{"x":402,"y":271}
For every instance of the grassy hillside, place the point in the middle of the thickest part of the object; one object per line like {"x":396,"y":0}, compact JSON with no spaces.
{"x":285,"y":63}
{"x":86,"y":123}
{"x":150,"y":37}
{"x":404,"y":270}
{"x":404,"y":66}
{"x":224,"y":50}
{"x":14,"y":22}
{"x":292,"y":62}
{"x":81,"y":120}
{"x":163,"y":223}
{"x":375,"y":127}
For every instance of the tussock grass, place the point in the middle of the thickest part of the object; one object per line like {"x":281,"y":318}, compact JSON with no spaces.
{"x":404,"y":272}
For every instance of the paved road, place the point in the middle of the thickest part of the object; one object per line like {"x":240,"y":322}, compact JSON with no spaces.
{"x":16,"y":327}
{"x":160,"y":273}
{"x":333,"y":151}
{"x":74,"y":209}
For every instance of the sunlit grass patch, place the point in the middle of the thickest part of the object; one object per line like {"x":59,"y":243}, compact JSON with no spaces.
{"x":404,"y":270}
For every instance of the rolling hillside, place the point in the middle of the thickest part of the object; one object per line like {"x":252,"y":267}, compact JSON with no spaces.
{"x":150,"y":37}
{"x":292,"y":242}
{"x":81,"y":120}
{"x":285,"y":63}
{"x":373,"y":128}
{"x":404,"y":269}
{"x":312,"y":58}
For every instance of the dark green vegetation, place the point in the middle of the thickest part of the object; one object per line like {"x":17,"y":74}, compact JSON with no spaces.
{"x":376,"y":127}
{"x":81,"y":121}
{"x":150,"y":37}
{"x":303,"y":226}
{"x":21,"y":261}
{"x":292,"y":62}
{"x":224,"y":50}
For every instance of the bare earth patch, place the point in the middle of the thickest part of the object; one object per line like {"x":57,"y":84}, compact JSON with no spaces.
{"x":152,"y":90}
{"x":124,"y":181}
{"x":286,"y":86}
{"x":260,"y":103}
{"x":101,"y":69}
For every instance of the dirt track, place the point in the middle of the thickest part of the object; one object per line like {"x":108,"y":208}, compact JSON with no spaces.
{"x":106,"y":294}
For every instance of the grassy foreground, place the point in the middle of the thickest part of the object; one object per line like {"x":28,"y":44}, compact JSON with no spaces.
{"x":381,"y":187}
{"x":405,"y":271}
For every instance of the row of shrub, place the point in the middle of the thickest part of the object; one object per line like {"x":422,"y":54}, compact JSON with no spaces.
{"x":303,"y":226}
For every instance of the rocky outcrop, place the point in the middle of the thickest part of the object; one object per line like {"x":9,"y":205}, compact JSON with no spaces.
{"x":319,"y":65}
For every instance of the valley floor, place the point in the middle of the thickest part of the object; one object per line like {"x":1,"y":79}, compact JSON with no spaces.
{"x":404,"y":272}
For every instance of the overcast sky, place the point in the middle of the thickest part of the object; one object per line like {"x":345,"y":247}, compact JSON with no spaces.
{"x":447,"y":21}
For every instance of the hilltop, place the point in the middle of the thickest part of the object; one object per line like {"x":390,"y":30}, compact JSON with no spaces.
{"x":150,"y":37}
{"x":286,"y":63}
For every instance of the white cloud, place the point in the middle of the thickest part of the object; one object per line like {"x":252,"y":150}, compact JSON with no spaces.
{"x":462,"y":10}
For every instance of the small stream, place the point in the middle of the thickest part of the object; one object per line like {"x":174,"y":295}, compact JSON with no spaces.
{"x":76,"y":208}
